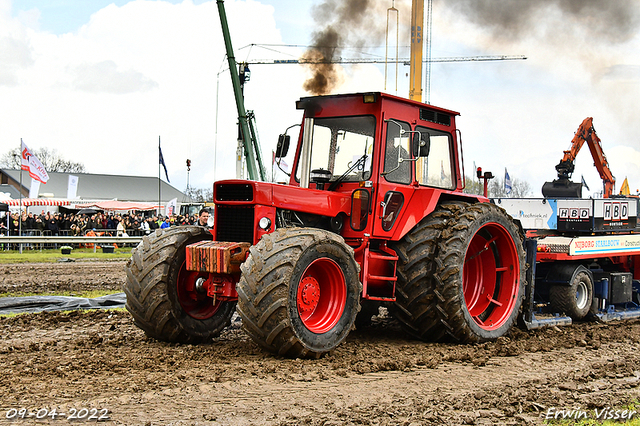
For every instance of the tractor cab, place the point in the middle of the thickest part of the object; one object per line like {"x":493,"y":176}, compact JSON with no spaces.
{"x":382,"y":150}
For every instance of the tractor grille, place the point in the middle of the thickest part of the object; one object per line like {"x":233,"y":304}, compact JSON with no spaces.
{"x":435,"y":117}
{"x":234,"y":192}
{"x":234,"y":223}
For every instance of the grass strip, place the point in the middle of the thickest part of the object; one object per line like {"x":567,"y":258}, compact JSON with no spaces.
{"x":52,"y":256}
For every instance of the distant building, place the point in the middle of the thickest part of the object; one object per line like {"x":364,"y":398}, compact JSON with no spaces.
{"x":92,"y":187}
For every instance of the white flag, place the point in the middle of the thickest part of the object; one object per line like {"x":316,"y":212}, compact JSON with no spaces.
{"x":31,"y":164}
{"x":72,"y":187}
{"x":35,"y":188}
{"x":170,"y":208}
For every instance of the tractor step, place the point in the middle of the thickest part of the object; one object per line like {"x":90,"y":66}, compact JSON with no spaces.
{"x":379,"y":275}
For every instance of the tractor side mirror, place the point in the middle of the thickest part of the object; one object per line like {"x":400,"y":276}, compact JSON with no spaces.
{"x":283,"y":146}
{"x":420,"y":144}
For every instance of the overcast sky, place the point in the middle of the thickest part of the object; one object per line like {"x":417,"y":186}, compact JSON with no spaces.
{"x":100,"y":81}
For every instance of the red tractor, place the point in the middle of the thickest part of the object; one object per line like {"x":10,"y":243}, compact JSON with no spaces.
{"x":373,"y":214}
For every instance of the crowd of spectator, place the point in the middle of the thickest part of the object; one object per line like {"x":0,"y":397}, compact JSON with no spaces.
{"x":101,"y":223}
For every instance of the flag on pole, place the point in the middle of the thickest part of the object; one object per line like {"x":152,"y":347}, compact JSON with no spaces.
{"x":624,"y":190}
{"x":72,"y":187}
{"x":35,"y":188}
{"x":170,"y":208}
{"x":31,"y":164}
{"x":584,"y":183}
{"x":162,"y":162}
{"x":507,"y":182}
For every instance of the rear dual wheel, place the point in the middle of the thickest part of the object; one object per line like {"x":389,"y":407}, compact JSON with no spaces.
{"x":299,"y":292}
{"x":479,"y":274}
{"x":416,"y":295}
{"x":460,"y":274}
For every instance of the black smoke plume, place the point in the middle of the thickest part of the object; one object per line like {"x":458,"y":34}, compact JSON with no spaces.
{"x":352,"y":23}
{"x":610,"y":21}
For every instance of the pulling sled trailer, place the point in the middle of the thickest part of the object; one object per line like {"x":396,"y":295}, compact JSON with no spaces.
{"x":584,"y":257}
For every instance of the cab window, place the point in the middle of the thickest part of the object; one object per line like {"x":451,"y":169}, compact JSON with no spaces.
{"x":435,"y":169}
{"x":396,"y":151}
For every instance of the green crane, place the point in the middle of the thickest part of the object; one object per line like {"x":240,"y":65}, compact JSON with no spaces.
{"x":246,"y":119}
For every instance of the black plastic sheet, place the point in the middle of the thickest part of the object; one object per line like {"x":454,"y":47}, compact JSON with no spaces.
{"x":31,"y":304}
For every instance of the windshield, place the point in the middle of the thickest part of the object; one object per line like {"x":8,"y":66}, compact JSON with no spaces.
{"x":339,"y":143}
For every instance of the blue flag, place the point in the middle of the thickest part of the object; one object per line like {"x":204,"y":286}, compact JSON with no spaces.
{"x":507,"y":182}
{"x":584,"y":183}
{"x":162,"y":162}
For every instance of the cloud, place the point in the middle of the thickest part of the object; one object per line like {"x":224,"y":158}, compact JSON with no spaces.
{"x":15,"y":54}
{"x":105,"y":77}
{"x":30,"y":18}
{"x":139,"y":71}
{"x":624,"y":161}
{"x":623,"y":72}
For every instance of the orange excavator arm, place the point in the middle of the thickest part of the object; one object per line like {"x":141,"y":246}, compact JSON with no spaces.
{"x":587,"y":133}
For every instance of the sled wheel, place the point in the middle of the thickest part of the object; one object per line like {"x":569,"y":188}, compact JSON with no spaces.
{"x":416,"y":296}
{"x":299,"y":292}
{"x":574,"y":299}
{"x":480,"y":273}
{"x":163,"y":297}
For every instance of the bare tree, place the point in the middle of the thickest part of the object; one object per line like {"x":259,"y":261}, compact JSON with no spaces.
{"x":200,"y":195}
{"x":473,"y":186}
{"x":50,"y":159}
{"x":519,"y":188}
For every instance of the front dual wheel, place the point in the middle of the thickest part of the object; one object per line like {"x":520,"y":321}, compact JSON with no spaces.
{"x":164,"y":298}
{"x":299,"y":292}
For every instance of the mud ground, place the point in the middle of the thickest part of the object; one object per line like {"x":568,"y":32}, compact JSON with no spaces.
{"x":99,"y":360}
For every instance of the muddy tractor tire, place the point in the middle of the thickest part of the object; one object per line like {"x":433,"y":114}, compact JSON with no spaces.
{"x":416,"y":295}
{"x":480,"y":274}
{"x":161,"y":295}
{"x":574,"y":299}
{"x":299,"y":292}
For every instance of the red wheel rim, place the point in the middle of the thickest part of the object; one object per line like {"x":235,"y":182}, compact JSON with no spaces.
{"x":193,"y":301}
{"x":491,"y":276}
{"x":322,"y":294}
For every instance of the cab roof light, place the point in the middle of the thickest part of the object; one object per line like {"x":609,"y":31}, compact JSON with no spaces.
{"x":369,"y":98}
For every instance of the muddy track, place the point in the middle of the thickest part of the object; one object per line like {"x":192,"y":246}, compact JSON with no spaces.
{"x":379,"y":376}
{"x":39,"y":278}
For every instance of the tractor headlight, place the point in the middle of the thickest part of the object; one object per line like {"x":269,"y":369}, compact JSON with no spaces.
{"x":265,"y":223}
